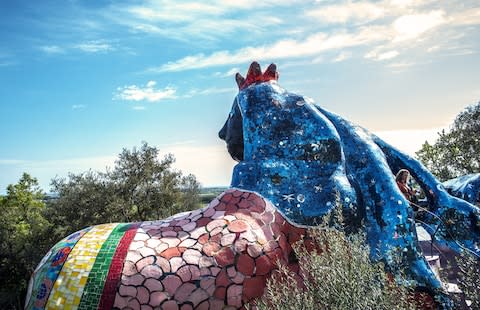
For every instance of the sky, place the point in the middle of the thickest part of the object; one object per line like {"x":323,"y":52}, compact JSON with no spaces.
{"x":81,"y":80}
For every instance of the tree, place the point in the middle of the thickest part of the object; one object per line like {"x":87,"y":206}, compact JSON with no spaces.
{"x":82,"y":200}
{"x":456,"y":152}
{"x":148,"y":187}
{"x":140,"y":187}
{"x":24,"y":238}
{"x":469,"y":278}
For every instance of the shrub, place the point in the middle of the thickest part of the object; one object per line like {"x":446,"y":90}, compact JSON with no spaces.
{"x":336,"y":274}
{"x":469,"y":278}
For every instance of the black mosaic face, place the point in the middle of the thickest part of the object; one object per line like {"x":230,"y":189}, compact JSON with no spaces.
{"x":232,"y":133}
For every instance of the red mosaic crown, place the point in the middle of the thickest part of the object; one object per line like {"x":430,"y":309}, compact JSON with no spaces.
{"x":255,"y":75}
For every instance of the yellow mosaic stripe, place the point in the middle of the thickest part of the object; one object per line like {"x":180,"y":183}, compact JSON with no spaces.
{"x":68,"y":289}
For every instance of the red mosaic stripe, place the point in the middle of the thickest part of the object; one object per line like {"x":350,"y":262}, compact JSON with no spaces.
{"x":115,"y":271}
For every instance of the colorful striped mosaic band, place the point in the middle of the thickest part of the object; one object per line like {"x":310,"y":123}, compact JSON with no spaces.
{"x":47,"y":271}
{"x":68,"y":288}
{"x":114,"y":274}
{"x":109,"y":259}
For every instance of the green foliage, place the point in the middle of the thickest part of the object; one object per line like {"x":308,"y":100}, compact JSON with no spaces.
{"x":336,"y":274}
{"x":23,"y":238}
{"x":140,"y":187}
{"x":210,"y":193}
{"x":456,"y":152}
{"x":469,"y":278}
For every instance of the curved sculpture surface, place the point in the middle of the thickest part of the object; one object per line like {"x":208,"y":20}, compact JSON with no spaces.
{"x":297,"y":161}
{"x":209,"y":258}
{"x":466,"y":187}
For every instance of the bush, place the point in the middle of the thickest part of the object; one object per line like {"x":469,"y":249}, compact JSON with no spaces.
{"x":469,"y":278}
{"x":336,"y":274}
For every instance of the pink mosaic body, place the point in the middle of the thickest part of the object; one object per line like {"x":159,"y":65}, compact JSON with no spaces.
{"x":211,"y":258}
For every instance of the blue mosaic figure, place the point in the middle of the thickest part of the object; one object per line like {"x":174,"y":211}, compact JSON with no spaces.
{"x":306,"y":160}
{"x":466,"y":187}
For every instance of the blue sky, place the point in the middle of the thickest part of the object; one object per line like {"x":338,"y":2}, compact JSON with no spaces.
{"x":80,"y":80}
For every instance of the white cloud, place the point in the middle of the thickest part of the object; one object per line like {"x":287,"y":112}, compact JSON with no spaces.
{"x":96,"y":46}
{"x":208,"y":91}
{"x":229,"y":73}
{"x":175,"y":12}
{"x":412,"y":26}
{"x":147,"y":92}
{"x":467,"y":17}
{"x":342,"y":13}
{"x":382,"y":56}
{"x":138,"y":108}
{"x":52,"y":49}
{"x":78,"y":106}
{"x":342,"y":56}
{"x":286,"y":48}
{"x":184,"y":20}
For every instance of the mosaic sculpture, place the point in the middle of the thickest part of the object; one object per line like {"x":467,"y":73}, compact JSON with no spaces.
{"x":297,"y":161}
{"x":466,"y":187}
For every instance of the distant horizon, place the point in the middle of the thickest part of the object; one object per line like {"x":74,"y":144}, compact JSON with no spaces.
{"x":82,"y":80}
{"x":399,"y":139}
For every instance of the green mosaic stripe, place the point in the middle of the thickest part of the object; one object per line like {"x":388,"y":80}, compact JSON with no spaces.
{"x":96,"y":278}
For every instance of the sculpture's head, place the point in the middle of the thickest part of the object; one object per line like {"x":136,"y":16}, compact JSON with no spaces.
{"x":267,"y":122}
{"x":232,"y":131}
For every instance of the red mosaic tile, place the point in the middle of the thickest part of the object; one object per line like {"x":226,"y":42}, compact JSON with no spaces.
{"x":224,"y":257}
{"x":238,"y":226}
{"x":169,"y":305}
{"x":244,"y":204}
{"x":238,"y":278}
{"x":263,"y":265}
{"x":171,"y":252}
{"x":282,"y":242}
{"x":197,"y":296}
{"x":114,"y":273}
{"x":254,"y":250}
{"x":205,"y":306}
{"x":253,"y":287}
{"x":258,"y":201}
{"x":208,"y":284}
{"x":227,"y":197}
{"x":171,"y":284}
{"x":222,"y":279}
{"x":211,"y":248}
{"x":240,"y":245}
{"x":203,"y":221}
{"x":216,"y":238}
{"x":221,"y":206}
{"x":143,"y":295}
{"x":234,"y":295}
{"x":203,"y":238}
{"x":153,"y":285}
{"x":217,"y":231}
{"x":216,"y":223}
{"x":267,"y":217}
{"x":182,"y":293}
{"x":220,"y":293}
{"x":230,"y":209}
